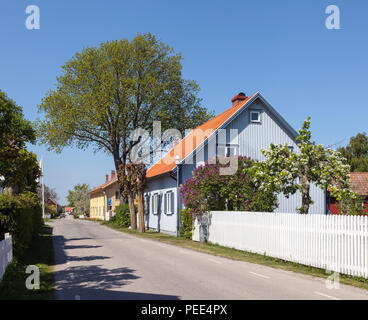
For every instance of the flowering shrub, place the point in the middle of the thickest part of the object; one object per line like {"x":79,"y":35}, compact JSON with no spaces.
{"x":208,"y":190}
{"x":286,"y":171}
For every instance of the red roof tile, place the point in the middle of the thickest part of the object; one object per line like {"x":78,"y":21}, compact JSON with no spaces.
{"x":359,"y":182}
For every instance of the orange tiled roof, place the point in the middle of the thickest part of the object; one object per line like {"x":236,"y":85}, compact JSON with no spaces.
{"x":188,"y":144}
{"x":359,"y":182}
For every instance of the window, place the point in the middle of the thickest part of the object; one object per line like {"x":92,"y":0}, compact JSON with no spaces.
{"x":230,"y":151}
{"x":255,"y":116}
{"x":169,"y":201}
{"x":291,"y":148}
{"x":155,"y":203}
{"x":146,"y":204}
{"x":227,"y":150}
{"x":117,"y":195}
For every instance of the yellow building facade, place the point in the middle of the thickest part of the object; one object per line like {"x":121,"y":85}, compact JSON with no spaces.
{"x":105,"y":198}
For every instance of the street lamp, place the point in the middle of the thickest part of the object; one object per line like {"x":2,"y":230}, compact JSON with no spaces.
{"x":177,"y":162}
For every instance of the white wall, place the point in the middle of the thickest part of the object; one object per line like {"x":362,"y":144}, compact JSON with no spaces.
{"x":6,"y":254}
{"x":331,"y":242}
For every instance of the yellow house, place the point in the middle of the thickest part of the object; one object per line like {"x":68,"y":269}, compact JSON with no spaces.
{"x":105,"y":198}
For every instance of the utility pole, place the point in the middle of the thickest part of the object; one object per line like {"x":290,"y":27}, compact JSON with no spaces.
{"x":43,"y":188}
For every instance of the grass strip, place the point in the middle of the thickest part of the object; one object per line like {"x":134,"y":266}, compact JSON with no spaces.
{"x":40,"y":253}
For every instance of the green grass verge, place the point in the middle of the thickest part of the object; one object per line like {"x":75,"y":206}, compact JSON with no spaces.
{"x":240,"y":255}
{"x":40,"y":253}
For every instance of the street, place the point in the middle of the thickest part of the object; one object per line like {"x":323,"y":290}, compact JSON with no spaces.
{"x":95,"y":262}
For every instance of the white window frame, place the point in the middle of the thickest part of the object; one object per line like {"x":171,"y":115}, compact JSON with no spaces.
{"x":155,"y":203}
{"x":259,"y":116}
{"x":169,"y":210}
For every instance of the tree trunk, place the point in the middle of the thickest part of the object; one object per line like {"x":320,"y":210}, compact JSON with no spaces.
{"x":141,"y":212}
{"x":306,"y":199}
{"x":133,"y":220}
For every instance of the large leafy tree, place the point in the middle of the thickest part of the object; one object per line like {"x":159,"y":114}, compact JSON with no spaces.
{"x":107,"y":92}
{"x":356,"y":152}
{"x":287,"y":172}
{"x":18,"y":166}
{"x":79,"y":197}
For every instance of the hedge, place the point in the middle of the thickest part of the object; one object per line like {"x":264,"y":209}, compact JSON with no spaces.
{"x":21,"y":216}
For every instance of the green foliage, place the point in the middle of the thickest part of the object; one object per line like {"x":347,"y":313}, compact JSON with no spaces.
{"x":40,"y":253}
{"x":18,"y":166}
{"x":122,"y":215}
{"x":287,"y":172}
{"x":186,"y":219}
{"x":352,"y":206}
{"x":79,"y":198}
{"x":208,"y":189}
{"x":14,"y":129}
{"x":356,"y":152}
{"x":106,"y":92}
{"x":50,"y":210}
{"x":21,"y":216}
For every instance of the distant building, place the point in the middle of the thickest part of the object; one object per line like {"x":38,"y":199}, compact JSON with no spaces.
{"x":105,"y":198}
{"x":68,"y":210}
{"x":53,"y":203}
{"x":358,"y":184}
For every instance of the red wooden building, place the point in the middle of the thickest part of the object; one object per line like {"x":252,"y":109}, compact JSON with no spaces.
{"x":359,"y":184}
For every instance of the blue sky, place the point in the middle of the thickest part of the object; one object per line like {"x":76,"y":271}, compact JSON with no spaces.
{"x":281,"y":48}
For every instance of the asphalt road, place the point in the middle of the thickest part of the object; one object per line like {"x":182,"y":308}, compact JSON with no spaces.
{"x":95,"y":262}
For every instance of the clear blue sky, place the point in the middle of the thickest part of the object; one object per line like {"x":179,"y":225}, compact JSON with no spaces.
{"x":281,"y":48}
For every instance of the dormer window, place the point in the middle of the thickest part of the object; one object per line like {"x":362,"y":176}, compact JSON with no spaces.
{"x":255,"y":116}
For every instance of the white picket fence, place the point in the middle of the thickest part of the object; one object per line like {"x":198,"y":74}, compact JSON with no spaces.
{"x":6,"y":254}
{"x":332,"y":242}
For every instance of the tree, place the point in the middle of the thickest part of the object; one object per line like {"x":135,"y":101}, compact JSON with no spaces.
{"x":50,"y":193}
{"x":208,"y":190}
{"x":106,"y":93}
{"x":356,"y":152}
{"x":18,"y":166}
{"x":79,"y":197}
{"x":287,"y":172}
{"x":133,"y":183}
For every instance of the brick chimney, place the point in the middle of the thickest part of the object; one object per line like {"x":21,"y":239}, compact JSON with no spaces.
{"x":112,"y":174}
{"x":239,"y":97}
{"x":107,"y":178}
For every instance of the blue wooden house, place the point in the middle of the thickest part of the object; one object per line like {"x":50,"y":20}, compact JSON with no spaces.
{"x":250,"y":125}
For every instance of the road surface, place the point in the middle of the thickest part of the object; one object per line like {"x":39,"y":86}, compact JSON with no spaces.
{"x":95,"y":262}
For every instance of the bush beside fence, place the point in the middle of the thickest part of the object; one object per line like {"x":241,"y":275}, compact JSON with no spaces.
{"x":331,"y":242}
{"x":21,"y":216}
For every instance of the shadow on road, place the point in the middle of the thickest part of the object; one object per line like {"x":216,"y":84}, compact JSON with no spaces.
{"x":93,"y":281}
{"x":81,"y":247}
